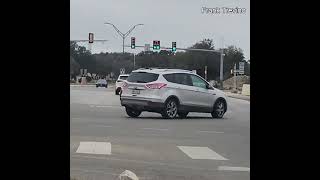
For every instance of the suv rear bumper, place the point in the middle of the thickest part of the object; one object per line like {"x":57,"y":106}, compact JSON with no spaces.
{"x":142,"y":105}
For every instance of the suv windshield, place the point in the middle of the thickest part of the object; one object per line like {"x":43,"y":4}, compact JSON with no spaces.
{"x":142,"y":77}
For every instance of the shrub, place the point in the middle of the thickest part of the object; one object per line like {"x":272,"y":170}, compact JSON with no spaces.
{"x":88,"y":78}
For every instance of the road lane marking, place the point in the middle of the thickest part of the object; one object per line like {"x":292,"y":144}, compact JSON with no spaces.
{"x":209,"y":132}
{"x":94,"y":148}
{"x":195,"y":152}
{"x":92,"y":171}
{"x":229,"y":168}
{"x":104,"y":106}
{"x":109,"y":158}
{"x":100,"y":125}
{"x":155,"y":129}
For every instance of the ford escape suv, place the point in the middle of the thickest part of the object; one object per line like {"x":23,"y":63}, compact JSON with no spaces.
{"x":170,"y":92}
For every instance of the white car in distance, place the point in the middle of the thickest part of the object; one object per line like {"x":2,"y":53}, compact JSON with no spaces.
{"x":119,"y":83}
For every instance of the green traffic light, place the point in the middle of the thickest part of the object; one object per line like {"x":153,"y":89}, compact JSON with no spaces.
{"x":132,"y":46}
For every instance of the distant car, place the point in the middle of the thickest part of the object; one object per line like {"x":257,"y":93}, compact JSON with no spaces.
{"x":171,"y":92}
{"x":119,"y":82}
{"x":102,"y":83}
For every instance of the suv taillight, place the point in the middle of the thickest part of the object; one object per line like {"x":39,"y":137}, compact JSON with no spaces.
{"x":155,"y":85}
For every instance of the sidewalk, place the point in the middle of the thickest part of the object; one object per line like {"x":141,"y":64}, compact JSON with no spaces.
{"x":237,"y":96}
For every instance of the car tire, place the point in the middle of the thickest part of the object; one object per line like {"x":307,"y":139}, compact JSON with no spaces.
{"x":219,"y":109}
{"x":170,"y":110}
{"x":132,"y":112}
{"x":183,"y":114}
{"x":117,"y":91}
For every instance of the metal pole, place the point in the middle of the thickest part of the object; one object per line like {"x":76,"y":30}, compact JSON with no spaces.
{"x":123,"y":45}
{"x":221,"y":68}
{"x":235,"y":77}
{"x":205,"y":72}
{"x":134,"y":61}
{"x":121,"y":34}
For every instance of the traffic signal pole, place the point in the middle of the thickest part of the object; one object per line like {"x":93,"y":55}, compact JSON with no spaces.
{"x":203,"y":50}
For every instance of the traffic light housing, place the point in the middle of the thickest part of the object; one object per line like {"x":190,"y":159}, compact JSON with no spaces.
{"x":133,"y":42}
{"x":156,"y":45}
{"x":90,"y":37}
{"x":174,"y":46}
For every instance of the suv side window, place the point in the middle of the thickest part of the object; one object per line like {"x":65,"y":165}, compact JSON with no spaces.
{"x":170,"y":77}
{"x":198,"y":82}
{"x":179,"y":78}
{"x":183,"y":79}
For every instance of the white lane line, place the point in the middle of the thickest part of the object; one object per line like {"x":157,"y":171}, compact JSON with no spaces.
{"x":104,"y":106}
{"x":108,"y":106}
{"x":155,"y":129}
{"x":93,"y":171}
{"x":100,"y":125}
{"x":200,"y":153}
{"x":209,"y":132}
{"x":229,"y":168}
{"x":143,"y":162}
{"x":94,"y":148}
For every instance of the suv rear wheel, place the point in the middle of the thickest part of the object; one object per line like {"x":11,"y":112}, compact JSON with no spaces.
{"x":219,"y":109}
{"x":132,"y":112}
{"x":170,"y":109}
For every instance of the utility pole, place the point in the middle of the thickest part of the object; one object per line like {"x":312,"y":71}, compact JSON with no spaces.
{"x":205,"y":73}
{"x":134,"y":61}
{"x":123,"y":35}
{"x":221,"y":62}
{"x":235,"y":76}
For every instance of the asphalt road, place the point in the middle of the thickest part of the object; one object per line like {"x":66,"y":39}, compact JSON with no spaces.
{"x":104,"y":141}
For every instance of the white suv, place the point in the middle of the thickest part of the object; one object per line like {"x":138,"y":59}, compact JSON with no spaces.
{"x":119,"y":83}
{"x":170,"y":92}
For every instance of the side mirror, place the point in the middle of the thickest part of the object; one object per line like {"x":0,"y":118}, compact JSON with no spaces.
{"x":209,"y":86}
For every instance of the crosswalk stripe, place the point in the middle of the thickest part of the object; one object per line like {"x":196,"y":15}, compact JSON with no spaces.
{"x":229,"y":168}
{"x":94,"y":148}
{"x":200,"y":153}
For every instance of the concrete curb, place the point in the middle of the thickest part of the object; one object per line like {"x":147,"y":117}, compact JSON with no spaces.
{"x":79,"y":85}
{"x":236,"y":96}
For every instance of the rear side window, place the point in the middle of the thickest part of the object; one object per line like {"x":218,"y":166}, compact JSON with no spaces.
{"x":179,"y":78}
{"x":142,"y":77}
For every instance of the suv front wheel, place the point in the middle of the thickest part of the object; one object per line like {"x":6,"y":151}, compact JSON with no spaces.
{"x":132,"y":112}
{"x":170,"y":109}
{"x":219,"y":109}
